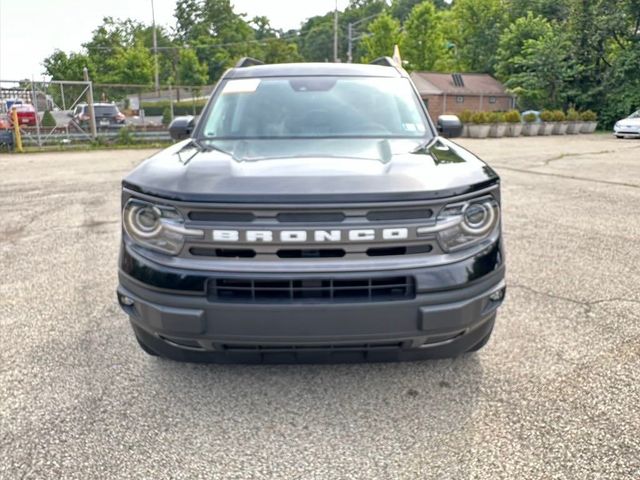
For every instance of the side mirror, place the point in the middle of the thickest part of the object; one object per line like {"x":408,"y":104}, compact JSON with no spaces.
{"x":449,"y":126}
{"x":70,"y":114}
{"x":181,"y":127}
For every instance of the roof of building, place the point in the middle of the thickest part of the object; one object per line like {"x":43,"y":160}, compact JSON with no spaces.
{"x":432,"y":83}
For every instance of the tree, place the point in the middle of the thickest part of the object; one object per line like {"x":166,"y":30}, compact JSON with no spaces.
{"x":384,"y":35}
{"x":512,"y":41}
{"x":476,"y":27}
{"x":60,"y":66}
{"x":133,"y":65}
{"x":400,"y":9}
{"x":544,"y":70}
{"x":190,"y":71}
{"x":218,"y":35}
{"x":423,"y":44}
{"x":558,"y":10}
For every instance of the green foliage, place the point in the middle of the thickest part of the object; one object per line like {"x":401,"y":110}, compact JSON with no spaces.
{"x":544,"y":70}
{"x":47,"y":120}
{"x":558,"y":116}
{"x":529,"y":117}
{"x":588,"y":116}
{"x":496,"y":117}
{"x":465,"y":116}
{"x":512,"y":116}
{"x":179,"y":108}
{"x":573,"y":115}
{"x":475,"y":27}
{"x":384,"y":35}
{"x":510,"y":59}
{"x":546,"y":116}
{"x":479,"y":118}
{"x":166,"y":116}
{"x":423,"y":43}
{"x":125,"y":137}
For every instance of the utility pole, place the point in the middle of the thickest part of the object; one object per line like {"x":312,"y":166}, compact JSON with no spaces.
{"x":352,"y":37}
{"x":155,"y":49}
{"x":350,"y":49}
{"x":335,"y":34}
{"x":92,"y":113}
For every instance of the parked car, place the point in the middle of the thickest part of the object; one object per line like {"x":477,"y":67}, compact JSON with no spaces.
{"x":11,"y":102}
{"x":107,"y":115}
{"x":314,"y":213}
{"x":27,"y":115}
{"x":628,"y":127}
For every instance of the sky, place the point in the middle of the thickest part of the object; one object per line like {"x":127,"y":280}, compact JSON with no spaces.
{"x":31,"y":30}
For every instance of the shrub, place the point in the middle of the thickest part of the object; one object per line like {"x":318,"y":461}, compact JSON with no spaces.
{"x":179,"y":108}
{"x":512,"y":116}
{"x":530,"y":117}
{"x":588,"y":116}
{"x":465,"y":116}
{"x":546,"y":116}
{"x":496,"y":117}
{"x":125,"y":137}
{"x":480,"y":118}
{"x":559,"y":116}
{"x":166,"y":116}
{"x":573,"y":115}
{"x":48,"y":120}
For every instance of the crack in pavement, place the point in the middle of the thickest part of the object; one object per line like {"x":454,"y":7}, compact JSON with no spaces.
{"x":581,"y":154}
{"x":568,"y":177}
{"x":588,"y":305}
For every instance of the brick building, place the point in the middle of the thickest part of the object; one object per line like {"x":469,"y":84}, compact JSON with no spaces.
{"x":455,"y":92}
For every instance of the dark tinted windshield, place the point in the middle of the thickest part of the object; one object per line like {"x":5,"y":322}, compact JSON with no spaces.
{"x":105,"y":110}
{"x":316,"y":107}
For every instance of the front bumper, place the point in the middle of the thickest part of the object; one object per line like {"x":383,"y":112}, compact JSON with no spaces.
{"x":453,"y":309}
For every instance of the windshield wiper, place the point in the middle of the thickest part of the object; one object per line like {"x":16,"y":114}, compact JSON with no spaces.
{"x":199,"y":148}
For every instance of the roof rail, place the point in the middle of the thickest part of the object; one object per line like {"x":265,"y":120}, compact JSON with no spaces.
{"x":248,"y":62}
{"x":385,"y":62}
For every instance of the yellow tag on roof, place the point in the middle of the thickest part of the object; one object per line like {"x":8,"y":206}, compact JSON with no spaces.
{"x":244,"y":85}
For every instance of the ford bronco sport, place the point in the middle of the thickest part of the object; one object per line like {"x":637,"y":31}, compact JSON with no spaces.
{"x":313,"y":213}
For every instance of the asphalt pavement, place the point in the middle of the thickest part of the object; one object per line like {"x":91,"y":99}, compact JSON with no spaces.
{"x":554,"y":395}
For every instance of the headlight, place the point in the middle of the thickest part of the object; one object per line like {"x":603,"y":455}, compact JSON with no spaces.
{"x":467,"y":223}
{"x":156,"y":227}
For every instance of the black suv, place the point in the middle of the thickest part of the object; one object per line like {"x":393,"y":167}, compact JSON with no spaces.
{"x":313,"y":213}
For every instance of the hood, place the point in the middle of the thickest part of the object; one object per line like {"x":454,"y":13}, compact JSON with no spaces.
{"x":186,"y":172}
{"x":630,"y":121}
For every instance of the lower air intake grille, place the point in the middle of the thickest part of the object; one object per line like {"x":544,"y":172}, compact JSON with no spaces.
{"x":310,"y":290}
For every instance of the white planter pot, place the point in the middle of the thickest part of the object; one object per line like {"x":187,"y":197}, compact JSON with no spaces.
{"x":546,"y":128}
{"x":497,"y":130}
{"x":465,"y":130}
{"x":560,"y":128}
{"x":530,"y":129}
{"x":589,"y":127}
{"x":479,"y":131}
{"x":574,"y":127}
{"x":513,"y":129}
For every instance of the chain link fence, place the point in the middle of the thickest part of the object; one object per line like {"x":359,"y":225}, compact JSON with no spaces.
{"x":69,"y":113}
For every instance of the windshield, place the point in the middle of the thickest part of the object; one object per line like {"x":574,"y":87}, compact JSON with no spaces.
{"x":105,"y":110}
{"x":315,"y":107}
{"x":635,"y":114}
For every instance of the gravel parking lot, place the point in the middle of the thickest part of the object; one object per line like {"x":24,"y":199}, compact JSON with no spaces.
{"x":555,"y":394}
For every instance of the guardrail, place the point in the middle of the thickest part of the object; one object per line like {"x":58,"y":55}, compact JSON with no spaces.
{"x":111,"y":136}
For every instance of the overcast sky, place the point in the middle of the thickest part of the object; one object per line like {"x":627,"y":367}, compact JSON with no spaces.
{"x":31,"y":29}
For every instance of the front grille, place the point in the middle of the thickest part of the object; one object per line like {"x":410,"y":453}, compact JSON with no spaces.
{"x":322,"y":290}
{"x":304,"y":233}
